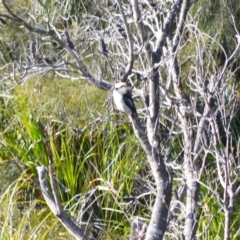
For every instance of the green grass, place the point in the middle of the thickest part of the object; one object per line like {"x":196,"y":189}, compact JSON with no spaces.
{"x":24,"y":216}
{"x":95,"y":171}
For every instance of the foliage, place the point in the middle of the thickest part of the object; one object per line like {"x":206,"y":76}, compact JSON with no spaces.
{"x":96,"y":170}
{"x":49,"y":115}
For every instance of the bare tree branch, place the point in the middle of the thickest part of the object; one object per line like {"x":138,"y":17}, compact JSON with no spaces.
{"x":55,"y":207}
{"x":54,"y":34}
{"x":130,"y":44}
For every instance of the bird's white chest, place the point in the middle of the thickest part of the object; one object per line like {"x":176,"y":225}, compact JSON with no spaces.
{"x":120,"y":103}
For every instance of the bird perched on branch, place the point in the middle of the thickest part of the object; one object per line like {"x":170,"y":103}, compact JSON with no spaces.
{"x":122,"y":97}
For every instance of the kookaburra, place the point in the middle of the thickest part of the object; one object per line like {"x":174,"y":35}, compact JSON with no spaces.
{"x":123,"y":98}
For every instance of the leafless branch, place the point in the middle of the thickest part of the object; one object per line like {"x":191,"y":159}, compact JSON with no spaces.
{"x":130,"y":44}
{"x":54,"y":204}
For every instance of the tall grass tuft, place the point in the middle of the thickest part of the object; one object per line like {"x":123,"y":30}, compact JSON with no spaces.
{"x":95,"y":171}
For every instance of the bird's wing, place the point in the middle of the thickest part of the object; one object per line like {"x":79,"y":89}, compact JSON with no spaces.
{"x":129,"y":102}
